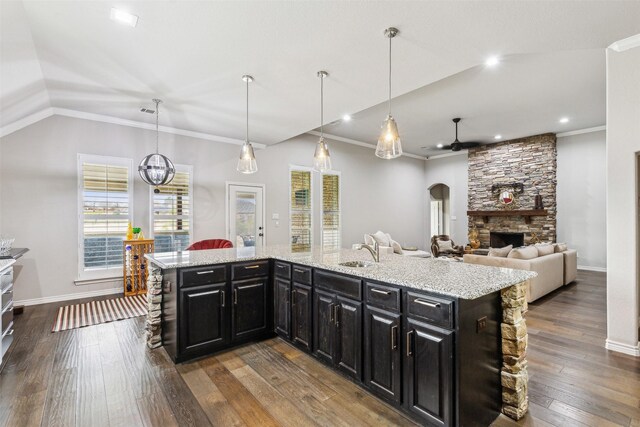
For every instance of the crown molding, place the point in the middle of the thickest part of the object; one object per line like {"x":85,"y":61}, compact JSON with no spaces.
{"x":51,"y":111}
{"x":359,"y":143}
{"x":581,"y":131}
{"x":626,"y":44}
{"x":450,"y":154}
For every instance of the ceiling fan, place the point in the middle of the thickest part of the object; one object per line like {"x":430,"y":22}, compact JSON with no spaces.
{"x":457,"y":145}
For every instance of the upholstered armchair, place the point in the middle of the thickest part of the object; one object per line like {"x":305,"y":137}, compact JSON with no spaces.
{"x":442,"y":245}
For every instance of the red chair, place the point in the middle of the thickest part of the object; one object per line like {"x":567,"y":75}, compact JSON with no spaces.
{"x":210,"y":244}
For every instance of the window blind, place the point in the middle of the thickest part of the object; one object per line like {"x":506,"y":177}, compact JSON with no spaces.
{"x":331,"y":211}
{"x":300,"y":206}
{"x":172,"y":214}
{"x":106,"y":212}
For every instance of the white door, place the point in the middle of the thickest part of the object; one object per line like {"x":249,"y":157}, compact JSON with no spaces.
{"x":245,"y":213}
{"x":436,"y":217}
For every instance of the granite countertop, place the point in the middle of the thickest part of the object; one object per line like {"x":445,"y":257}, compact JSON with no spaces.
{"x":6,"y":263}
{"x":450,"y":278}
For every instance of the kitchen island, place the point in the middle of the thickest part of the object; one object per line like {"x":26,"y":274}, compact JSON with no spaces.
{"x":428,"y":336}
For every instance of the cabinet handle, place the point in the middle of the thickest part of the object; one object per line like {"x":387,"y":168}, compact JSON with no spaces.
{"x":331,"y":313}
{"x":427,"y":303}
{"x":235,"y":296}
{"x":204,"y":272}
{"x":199,"y":294}
{"x":298,"y":270}
{"x":10,"y":291}
{"x":7,"y":309}
{"x":222,"y":296}
{"x":394,"y":337}
{"x":281,"y":266}
{"x":337,"y":306}
{"x":251,"y":267}
{"x":379,"y":291}
{"x":293,"y":297}
{"x":409,"y":335}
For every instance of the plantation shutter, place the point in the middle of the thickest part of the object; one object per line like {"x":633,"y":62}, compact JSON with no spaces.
{"x":172,"y":214}
{"x":331,"y":211}
{"x":300,"y":211}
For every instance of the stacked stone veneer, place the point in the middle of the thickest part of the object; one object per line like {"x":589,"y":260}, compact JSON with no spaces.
{"x":154,"y":302}
{"x":514,"y":376}
{"x":531,"y":161}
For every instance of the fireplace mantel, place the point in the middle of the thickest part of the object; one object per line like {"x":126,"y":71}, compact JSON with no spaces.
{"x":526,"y":214}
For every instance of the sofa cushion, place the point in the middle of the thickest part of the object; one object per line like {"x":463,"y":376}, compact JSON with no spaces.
{"x":445,"y":245}
{"x":545,"y":249}
{"x":368,"y":240}
{"x":500,"y":252}
{"x":560,"y":247}
{"x":525,"y":252}
{"x":381,"y":238}
{"x":397,"y":248}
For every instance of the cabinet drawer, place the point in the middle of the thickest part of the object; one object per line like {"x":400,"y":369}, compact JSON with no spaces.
{"x":337,"y":283}
{"x":382,"y":296}
{"x":247,"y":270}
{"x":203,"y":275}
{"x":436,"y":310}
{"x":283,"y":269}
{"x":302,"y":274}
{"x":7,"y":296}
{"x":7,"y":318}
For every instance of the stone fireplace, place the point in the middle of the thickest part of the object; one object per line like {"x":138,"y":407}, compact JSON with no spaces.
{"x":499,"y":239}
{"x":529,"y":162}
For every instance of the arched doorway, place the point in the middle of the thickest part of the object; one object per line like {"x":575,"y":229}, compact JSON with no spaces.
{"x":440,"y":208}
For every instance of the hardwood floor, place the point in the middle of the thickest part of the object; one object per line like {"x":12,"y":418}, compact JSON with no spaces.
{"x":105,"y":376}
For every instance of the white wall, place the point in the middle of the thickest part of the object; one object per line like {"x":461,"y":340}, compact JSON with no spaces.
{"x":623,"y":145}
{"x":38,"y":174}
{"x":581,"y":197}
{"x":452,"y":171}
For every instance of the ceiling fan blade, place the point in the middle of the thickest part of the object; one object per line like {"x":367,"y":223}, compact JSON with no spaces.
{"x":445,"y":147}
{"x":470,"y":144}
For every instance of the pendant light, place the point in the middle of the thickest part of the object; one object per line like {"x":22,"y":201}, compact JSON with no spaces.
{"x":389,"y":144}
{"x":322,"y":158}
{"x":156,"y":169}
{"x":247,"y":162}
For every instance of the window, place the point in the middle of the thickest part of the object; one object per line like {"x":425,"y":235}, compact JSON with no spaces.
{"x":300,"y":213}
{"x":105,"y":205}
{"x":172,"y":212}
{"x":331,"y":211}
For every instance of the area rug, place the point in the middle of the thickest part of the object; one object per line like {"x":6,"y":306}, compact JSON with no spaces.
{"x":97,"y":312}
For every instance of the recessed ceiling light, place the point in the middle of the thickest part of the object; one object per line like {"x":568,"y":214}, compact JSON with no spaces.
{"x":497,"y":137}
{"x":346,"y":118}
{"x":491,"y":61}
{"x":564,"y":120}
{"x":123,"y":17}
{"x":440,"y":145}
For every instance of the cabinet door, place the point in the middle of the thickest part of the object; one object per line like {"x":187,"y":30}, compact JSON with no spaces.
{"x":382,"y":354}
{"x":428,"y":372}
{"x":282,"y":307}
{"x":203,"y":321}
{"x":249,"y":308}
{"x":301,"y":300}
{"x":349,"y":337}
{"x":323,"y":325}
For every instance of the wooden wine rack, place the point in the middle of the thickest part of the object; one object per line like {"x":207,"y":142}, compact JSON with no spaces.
{"x":135,"y":266}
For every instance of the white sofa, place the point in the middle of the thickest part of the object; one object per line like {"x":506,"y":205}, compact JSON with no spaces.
{"x":554,"y":270}
{"x":393,"y":247}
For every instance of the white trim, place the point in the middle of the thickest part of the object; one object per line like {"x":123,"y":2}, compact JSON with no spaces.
{"x":581,"y":131}
{"x":632,"y":350}
{"x":626,"y":44}
{"x":26,"y":121}
{"x":227,"y":222}
{"x":453,"y":153}
{"x":84,"y":282}
{"x":359,"y":143}
{"x":589,"y":268}
{"x":68,"y":297}
{"x":311,"y":171}
{"x":339,"y":175}
{"x":51,"y":111}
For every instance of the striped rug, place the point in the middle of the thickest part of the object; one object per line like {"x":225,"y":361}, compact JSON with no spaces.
{"x":96,"y":312}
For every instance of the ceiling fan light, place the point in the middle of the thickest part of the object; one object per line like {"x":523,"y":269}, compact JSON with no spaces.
{"x":247,"y":162}
{"x":389,"y":143}
{"x":321,"y":157}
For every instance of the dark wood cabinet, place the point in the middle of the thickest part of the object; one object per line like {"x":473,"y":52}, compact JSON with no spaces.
{"x":301,"y":316}
{"x":428,"y":378}
{"x":282,"y":307}
{"x":249,"y":312}
{"x":323,"y":325}
{"x":383,"y":357}
{"x":204,"y":313}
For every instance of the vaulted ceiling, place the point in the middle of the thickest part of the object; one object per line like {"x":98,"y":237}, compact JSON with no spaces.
{"x":70,"y":55}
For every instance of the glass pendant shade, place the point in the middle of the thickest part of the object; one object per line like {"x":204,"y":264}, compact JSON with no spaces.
{"x":389,"y":143}
{"x":156,"y":169}
{"x":322,"y":158}
{"x":247,"y":162}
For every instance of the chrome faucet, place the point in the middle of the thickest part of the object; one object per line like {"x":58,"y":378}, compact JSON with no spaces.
{"x":375,"y":250}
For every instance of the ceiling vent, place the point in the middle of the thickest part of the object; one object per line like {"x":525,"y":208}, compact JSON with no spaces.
{"x":147,"y":110}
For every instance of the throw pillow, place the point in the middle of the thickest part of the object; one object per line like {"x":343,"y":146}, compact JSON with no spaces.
{"x":445,"y":246}
{"x":397,"y":248}
{"x":500,"y":252}
{"x":545,"y":249}
{"x":525,"y":252}
{"x":560,"y":247}
{"x":381,"y":238}
{"x":368,"y":240}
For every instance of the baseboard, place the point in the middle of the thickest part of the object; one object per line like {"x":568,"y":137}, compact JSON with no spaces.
{"x":68,"y":297}
{"x":632,"y":350}
{"x":589,"y":268}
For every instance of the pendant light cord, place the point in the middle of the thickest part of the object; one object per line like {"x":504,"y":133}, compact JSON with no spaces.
{"x":321,"y":106}
{"x":390,"y":75}
{"x":247,"y":129}
{"x":157,"y":126}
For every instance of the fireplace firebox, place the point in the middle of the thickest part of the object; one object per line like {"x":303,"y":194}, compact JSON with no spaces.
{"x":499,"y":239}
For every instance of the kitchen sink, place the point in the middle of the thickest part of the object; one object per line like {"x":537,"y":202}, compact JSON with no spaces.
{"x":358,"y":264}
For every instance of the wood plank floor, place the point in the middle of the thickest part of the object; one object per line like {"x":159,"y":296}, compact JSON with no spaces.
{"x":105,"y":376}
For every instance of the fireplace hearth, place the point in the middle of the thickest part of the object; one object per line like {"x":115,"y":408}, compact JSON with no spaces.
{"x":499,"y":239}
